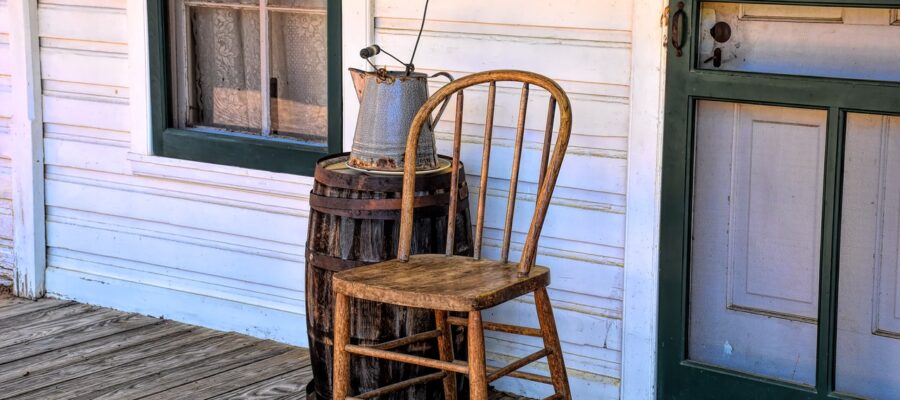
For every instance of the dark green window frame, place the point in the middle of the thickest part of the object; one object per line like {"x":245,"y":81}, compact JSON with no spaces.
{"x":276,"y":155}
{"x":686,"y":83}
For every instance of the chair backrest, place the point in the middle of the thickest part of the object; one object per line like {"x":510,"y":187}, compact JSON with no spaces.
{"x":549,"y":167}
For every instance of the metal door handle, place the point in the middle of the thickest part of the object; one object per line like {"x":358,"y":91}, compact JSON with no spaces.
{"x":678,"y":29}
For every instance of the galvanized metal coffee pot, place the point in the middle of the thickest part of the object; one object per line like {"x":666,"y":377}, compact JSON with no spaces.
{"x":389,"y":100}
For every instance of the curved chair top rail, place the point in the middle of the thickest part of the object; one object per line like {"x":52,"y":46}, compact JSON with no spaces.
{"x":549,"y":168}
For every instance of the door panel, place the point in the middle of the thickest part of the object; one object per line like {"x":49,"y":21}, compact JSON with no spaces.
{"x":858,"y":43}
{"x":868,"y":337}
{"x":756,"y":237}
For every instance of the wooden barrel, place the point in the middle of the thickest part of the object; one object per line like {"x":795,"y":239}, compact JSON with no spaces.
{"x":355,"y":221}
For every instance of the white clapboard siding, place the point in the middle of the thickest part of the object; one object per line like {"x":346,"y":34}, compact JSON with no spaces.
{"x":588,"y":52}
{"x":224,"y":247}
{"x":6,"y":218}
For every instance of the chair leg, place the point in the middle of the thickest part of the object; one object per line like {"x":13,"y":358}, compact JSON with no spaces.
{"x":341,"y":372}
{"x":551,"y":342}
{"x":445,"y":347}
{"x":477,"y":365}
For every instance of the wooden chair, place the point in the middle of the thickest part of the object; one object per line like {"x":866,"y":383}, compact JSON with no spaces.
{"x":448,"y":283}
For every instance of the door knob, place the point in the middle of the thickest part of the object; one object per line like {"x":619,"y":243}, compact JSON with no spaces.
{"x":721,"y":32}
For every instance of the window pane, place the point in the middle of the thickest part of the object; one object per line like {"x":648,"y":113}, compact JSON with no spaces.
{"x":226,"y":69}
{"x":868,"y":337}
{"x":757,"y":206}
{"x":298,"y":68}
{"x":304,"y":4}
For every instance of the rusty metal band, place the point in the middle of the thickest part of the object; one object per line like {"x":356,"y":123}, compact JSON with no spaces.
{"x":377,"y":183}
{"x":333,"y":264}
{"x":394,"y":214}
{"x":340,"y":203}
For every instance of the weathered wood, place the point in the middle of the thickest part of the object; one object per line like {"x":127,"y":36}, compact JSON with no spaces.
{"x":76,"y":348}
{"x":551,"y":342}
{"x":445,"y":351}
{"x":169,"y":376}
{"x":393,"y":344}
{"x":33,"y":383}
{"x":436,"y":281}
{"x":548,"y":136}
{"x":515,"y":365}
{"x":46,"y":327}
{"x":402,"y":385}
{"x":514,"y":175}
{"x":7,"y":313}
{"x":289,"y":385}
{"x":400,"y":357}
{"x":454,"y":168}
{"x":119,"y":323}
{"x":346,"y":233}
{"x":485,"y":167}
{"x":270,"y":361}
{"x":506,"y":328}
{"x":477,"y":362}
{"x":104,"y":377}
{"x":341,"y":340}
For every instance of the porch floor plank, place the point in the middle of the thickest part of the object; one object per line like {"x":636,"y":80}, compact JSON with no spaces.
{"x":52,"y":349}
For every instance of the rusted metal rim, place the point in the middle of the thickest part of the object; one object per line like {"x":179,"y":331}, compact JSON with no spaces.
{"x":438,"y":210}
{"x":333,"y":264}
{"x":376,"y":183}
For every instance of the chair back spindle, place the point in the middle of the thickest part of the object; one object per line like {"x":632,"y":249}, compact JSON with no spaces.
{"x":550,"y":163}
{"x":485,"y":167}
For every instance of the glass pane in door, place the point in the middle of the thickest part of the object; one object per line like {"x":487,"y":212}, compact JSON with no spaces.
{"x":837,"y":42}
{"x":868,"y":337}
{"x":756,"y":237}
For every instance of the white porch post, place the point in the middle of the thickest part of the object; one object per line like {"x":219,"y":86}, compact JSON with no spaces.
{"x":641,"y":298}
{"x":29,"y":230}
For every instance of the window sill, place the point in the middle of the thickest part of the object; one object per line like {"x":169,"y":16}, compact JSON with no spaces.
{"x":225,"y":176}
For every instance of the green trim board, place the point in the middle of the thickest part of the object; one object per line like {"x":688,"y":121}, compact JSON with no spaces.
{"x":686,"y":84}
{"x":276,"y":155}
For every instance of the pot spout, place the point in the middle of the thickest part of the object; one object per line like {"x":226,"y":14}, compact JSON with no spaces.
{"x":359,"y":82}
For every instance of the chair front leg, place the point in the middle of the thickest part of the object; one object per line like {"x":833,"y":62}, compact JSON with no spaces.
{"x":445,"y":347}
{"x":551,"y":342}
{"x":341,"y":368}
{"x":477,"y":366}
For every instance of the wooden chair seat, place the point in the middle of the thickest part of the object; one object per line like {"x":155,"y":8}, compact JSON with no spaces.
{"x":441,"y":282}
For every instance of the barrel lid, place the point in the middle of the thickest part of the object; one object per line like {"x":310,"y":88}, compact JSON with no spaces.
{"x":333,"y":171}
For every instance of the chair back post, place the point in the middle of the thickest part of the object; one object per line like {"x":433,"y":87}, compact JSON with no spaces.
{"x":549,"y":168}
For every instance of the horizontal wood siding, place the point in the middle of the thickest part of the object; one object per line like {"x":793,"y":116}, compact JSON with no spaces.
{"x":7,"y":260}
{"x":223,"y":247}
{"x":586,"y":48}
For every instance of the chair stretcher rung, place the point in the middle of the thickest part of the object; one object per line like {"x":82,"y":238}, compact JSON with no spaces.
{"x":554,"y":397}
{"x":393,"y":344}
{"x":516,"y":365}
{"x":494,"y":326}
{"x":406,"y":358}
{"x":525,"y":375}
{"x":402,"y":385}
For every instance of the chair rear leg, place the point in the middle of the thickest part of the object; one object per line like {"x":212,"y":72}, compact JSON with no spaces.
{"x":477,"y":367}
{"x":341,"y":372}
{"x":551,"y":342}
{"x":445,"y":347}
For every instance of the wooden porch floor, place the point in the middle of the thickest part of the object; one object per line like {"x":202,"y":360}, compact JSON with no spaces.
{"x":53,"y":349}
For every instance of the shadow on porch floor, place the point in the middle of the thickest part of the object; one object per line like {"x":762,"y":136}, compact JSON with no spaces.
{"x":53,"y":349}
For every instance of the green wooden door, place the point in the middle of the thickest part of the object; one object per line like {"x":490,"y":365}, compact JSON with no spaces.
{"x":780,"y":230}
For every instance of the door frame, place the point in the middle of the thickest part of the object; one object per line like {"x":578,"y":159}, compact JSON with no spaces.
{"x":686,"y":84}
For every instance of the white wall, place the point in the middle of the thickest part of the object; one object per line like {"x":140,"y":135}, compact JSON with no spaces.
{"x":223,"y":247}
{"x":7,"y":260}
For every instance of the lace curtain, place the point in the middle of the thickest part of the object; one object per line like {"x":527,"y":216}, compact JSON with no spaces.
{"x":225,"y":60}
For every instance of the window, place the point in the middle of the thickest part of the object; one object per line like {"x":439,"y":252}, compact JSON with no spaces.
{"x":249,"y":83}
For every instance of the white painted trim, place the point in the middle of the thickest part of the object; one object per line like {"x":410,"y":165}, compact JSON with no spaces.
{"x":640,"y":308}
{"x":139,"y":78}
{"x":27,"y":151}
{"x":357,"y":31}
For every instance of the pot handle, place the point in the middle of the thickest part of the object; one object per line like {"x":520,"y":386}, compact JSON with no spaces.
{"x":437,"y":118}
